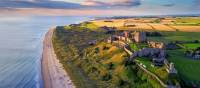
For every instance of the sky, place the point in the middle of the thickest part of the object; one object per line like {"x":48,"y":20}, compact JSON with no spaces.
{"x":99,"y":7}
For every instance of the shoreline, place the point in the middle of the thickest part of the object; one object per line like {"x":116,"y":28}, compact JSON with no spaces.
{"x":53,"y":73}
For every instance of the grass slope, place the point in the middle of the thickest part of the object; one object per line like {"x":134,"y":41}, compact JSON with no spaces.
{"x":102,"y":65}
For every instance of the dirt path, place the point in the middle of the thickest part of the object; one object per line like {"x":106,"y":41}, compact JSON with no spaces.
{"x":54,"y":75}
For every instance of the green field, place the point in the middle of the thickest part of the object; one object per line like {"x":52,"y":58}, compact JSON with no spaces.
{"x":191,"y":45}
{"x":187,"y":21}
{"x":186,"y":67}
{"x":176,"y":36}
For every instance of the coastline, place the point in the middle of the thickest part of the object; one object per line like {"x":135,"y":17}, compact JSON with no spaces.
{"x":53,"y":73}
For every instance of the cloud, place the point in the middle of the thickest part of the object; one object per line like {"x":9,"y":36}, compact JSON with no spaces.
{"x":92,"y":3}
{"x":98,"y":7}
{"x":112,"y":3}
{"x":38,"y":4}
{"x":61,"y":4}
{"x":62,"y":12}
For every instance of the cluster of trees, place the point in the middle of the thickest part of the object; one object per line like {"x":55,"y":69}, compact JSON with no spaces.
{"x":157,"y":21}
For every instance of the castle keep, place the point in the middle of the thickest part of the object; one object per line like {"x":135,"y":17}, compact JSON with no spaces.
{"x":139,"y":37}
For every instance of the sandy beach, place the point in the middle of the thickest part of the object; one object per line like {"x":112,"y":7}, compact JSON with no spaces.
{"x":53,"y":73}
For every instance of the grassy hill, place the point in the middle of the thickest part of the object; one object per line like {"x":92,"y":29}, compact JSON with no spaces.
{"x":101,"y":65}
{"x":104,"y":65}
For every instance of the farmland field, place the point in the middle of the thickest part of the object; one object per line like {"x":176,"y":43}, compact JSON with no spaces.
{"x":115,"y":23}
{"x":161,"y":27}
{"x":188,"y":28}
{"x":187,"y":68}
{"x":142,"y":26}
{"x":176,"y":36}
{"x":186,"y":24}
{"x":187,"y":21}
{"x":192,"y":45}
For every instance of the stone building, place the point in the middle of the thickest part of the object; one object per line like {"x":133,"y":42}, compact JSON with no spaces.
{"x":126,"y":34}
{"x":158,"y":61}
{"x":158,"y":56}
{"x":194,"y":54}
{"x":172,"y":69}
{"x":123,"y":36}
{"x":197,"y":55}
{"x":172,"y":46}
{"x":159,"y":45}
{"x":113,"y":38}
{"x":139,"y":37}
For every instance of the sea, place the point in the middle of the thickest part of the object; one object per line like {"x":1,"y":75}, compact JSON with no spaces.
{"x":21,"y":44}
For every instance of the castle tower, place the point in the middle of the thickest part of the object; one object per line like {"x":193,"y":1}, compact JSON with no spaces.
{"x":172,"y":69}
{"x":140,"y":37}
{"x":126,"y":35}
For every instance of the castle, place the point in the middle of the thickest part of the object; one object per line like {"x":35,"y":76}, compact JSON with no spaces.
{"x":159,"y":45}
{"x":139,"y":37}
